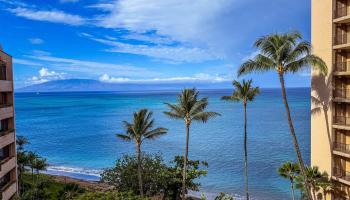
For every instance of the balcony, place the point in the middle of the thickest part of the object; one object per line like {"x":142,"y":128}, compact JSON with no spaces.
{"x":6,"y":165}
{"x":7,"y":137}
{"x":6,"y":111}
{"x":6,"y":86}
{"x":341,"y":15}
{"x":341,"y":69}
{"x":341,"y":175}
{"x":341,"y":41}
{"x":341,"y":149}
{"x":8,"y":190}
{"x":341,"y":95}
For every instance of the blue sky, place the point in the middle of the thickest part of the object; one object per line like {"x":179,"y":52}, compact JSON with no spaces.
{"x":144,"y":40}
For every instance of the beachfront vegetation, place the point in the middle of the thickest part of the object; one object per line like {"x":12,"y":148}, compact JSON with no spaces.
{"x":138,"y":131}
{"x":290,"y":171}
{"x":159,"y":178}
{"x":244,"y":92}
{"x":285,"y":53}
{"x":189,"y":108}
{"x":319,"y":183}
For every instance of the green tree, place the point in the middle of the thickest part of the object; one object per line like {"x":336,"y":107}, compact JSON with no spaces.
{"x":284,"y":53}
{"x":189,"y":108}
{"x":290,"y":171}
{"x":326,"y":185}
{"x":138,"y":131}
{"x":244,"y":92}
{"x":21,"y":141}
{"x":70,"y":191}
{"x":22,"y":159}
{"x":158,"y":177}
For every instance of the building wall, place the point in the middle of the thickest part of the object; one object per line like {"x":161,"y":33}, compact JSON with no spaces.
{"x":8,"y":137}
{"x":321,"y":38}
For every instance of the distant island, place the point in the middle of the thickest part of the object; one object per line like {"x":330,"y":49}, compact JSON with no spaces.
{"x":79,"y":85}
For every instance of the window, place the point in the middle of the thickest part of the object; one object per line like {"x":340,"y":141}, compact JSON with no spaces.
{"x":2,"y":71}
{"x":4,"y":152}
{"x":5,"y":179}
{"x":3,"y":98}
{"x":4,"y":125}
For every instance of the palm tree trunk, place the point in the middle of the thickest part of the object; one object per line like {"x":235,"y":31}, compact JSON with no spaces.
{"x":292,"y":187}
{"x":245,"y":152}
{"x":294,"y":137}
{"x":139,"y":169}
{"x":185,"y":162}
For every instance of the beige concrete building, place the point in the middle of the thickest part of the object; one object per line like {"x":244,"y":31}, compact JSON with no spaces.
{"x":330,"y":120}
{"x":8,"y":164}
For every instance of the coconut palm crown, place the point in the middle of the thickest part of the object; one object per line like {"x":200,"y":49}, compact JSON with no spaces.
{"x":243,"y":92}
{"x":290,"y":171}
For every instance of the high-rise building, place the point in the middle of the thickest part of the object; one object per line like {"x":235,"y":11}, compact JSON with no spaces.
{"x":330,"y":120}
{"x":8,"y":164}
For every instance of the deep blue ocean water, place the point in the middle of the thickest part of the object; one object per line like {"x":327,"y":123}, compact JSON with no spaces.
{"x":76,"y":133}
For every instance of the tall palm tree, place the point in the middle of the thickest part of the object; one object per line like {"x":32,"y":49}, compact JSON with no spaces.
{"x":290,"y":171}
{"x":189,"y":108}
{"x":21,"y":141}
{"x":326,"y":185}
{"x":244,"y":92}
{"x":138,"y":131}
{"x":284,"y":53}
{"x":314,"y":178}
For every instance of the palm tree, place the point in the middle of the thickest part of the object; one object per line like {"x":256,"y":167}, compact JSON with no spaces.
{"x":244,"y":92}
{"x":284,"y":53}
{"x":326,"y":185}
{"x":189,"y":108}
{"x":290,"y":171}
{"x":314,"y":178}
{"x":22,"y":159}
{"x":138,"y":131}
{"x":21,"y":141}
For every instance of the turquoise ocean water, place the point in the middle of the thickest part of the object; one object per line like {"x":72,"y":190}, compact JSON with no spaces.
{"x":76,"y":133}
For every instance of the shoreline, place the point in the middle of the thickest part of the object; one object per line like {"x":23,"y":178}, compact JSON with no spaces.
{"x":93,"y":183}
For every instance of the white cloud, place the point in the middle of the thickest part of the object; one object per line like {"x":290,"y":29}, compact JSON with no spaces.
{"x":45,"y":75}
{"x":102,"y":6}
{"x":26,"y":62}
{"x":54,"y":16}
{"x":150,"y":38}
{"x":90,"y":67}
{"x":202,"y":23}
{"x":173,"y":54}
{"x":36,"y":40}
{"x":201,"y":77}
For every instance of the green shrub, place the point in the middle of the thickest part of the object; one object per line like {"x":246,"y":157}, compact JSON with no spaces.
{"x":158,"y":178}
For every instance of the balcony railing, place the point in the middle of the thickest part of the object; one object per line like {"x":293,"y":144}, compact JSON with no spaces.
{"x":342,"y":93}
{"x":341,"y":12}
{"x":341,"y":39}
{"x":342,"y":147}
{"x":341,"y":67}
{"x":341,"y":120}
{"x":5,"y":132}
{"x":8,"y":190}
{"x":4,"y":105}
{"x":341,"y":173}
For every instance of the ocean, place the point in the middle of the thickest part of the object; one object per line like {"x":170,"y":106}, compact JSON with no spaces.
{"x":76,"y":133}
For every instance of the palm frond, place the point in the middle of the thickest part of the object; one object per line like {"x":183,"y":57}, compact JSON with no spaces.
{"x":315,"y":61}
{"x":204,"y":116}
{"x":124,"y":137}
{"x":173,"y":115}
{"x":260,"y":63}
{"x":155,"y":133}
